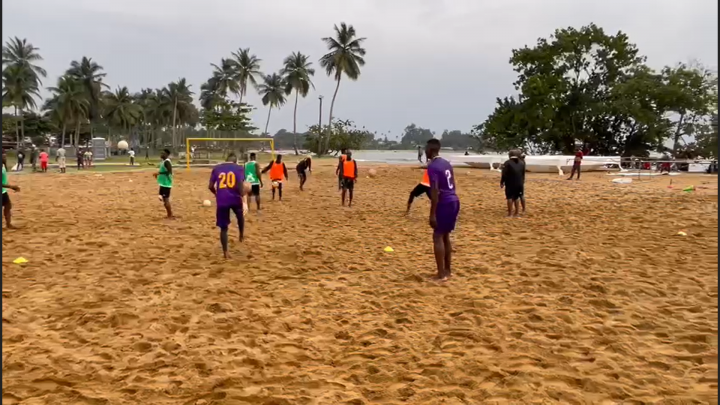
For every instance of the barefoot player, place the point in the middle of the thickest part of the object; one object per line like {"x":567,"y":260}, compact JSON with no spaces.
{"x":349,"y":172}
{"x":305,"y":164}
{"x":226,"y":183}
{"x":253,"y":177}
{"x":341,"y":159}
{"x":164,"y":178}
{"x":444,"y":207}
{"x":422,"y":188}
{"x":278,"y":171}
{"x":6,"y":204}
{"x":513,"y":180}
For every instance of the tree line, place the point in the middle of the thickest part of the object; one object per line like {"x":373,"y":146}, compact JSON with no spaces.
{"x":82,"y":106}
{"x":586,"y":87}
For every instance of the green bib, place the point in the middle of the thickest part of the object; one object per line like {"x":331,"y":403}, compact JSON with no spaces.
{"x":250,"y":168}
{"x":164,"y":178}
{"x":4,"y":179}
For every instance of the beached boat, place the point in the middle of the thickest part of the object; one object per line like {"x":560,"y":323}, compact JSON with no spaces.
{"x":537,"y":164}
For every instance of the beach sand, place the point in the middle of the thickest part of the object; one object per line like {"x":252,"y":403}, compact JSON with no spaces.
{"x":590,"y":298}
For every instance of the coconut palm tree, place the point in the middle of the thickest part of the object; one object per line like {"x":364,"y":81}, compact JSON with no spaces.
{"x":67,"y":103}
{"x":345,"y":56}
{"x":247,"y":70}
{"x":120,"y":108}
{"x":297,"y":72}
{"x":272,"y":91}
{"x":225,"y":77}
{"x":20,"y":89}
{"x":19,"y":52}
{"x":90,"y":74}
{"x":177,"y":98}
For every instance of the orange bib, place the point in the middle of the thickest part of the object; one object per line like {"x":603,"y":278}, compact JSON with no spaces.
{"x":349,"y":169}
{"x":276,"y":172}
{"x":426,"y":179}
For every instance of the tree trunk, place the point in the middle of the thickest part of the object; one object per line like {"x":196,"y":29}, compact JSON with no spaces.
{"x":62,"y":138}
{"x":241,"y":97}
{"x":17,"y":129}
{"x":676,"y":137}
{"x":22,"y":125}
{"x":174,"y":123}
{"x":268,"y":121}
{"x":77,"y":134}
{"x":295,"y":146}
{"x":332,"y":105}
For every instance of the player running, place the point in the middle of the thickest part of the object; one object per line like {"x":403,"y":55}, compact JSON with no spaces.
{"x":6,"y":204}
{"x":226,"y":183}
{"x":305,"y":164}
{"x":444,"y":207}
{"x":422,"y":188}
{"x":277,"y":170}
{"x":349,"y":173}
{"x":164,"y":178}
{"x":253,"y":177}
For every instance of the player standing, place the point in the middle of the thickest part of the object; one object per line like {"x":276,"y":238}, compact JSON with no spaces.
{"x":253,"y":176}
{"x":6,"y":204}
{"x":164,"y":178}
{"x":277,"y":170}
{"x":226,"y":183}
{"x":349,"y":172}
{"x":444,"y":207}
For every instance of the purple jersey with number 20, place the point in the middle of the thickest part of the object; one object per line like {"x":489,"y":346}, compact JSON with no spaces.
{"x":228,"y":180}
{"x":441,"y":174}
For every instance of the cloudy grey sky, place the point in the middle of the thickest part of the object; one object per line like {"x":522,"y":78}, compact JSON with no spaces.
{"x":437,"y":63}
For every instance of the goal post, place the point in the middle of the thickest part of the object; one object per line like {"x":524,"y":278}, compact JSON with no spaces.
{"x":188,"y":141}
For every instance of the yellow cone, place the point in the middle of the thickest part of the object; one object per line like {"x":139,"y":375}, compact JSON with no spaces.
{"x":20,"y":260}
{"x":389,"y":249}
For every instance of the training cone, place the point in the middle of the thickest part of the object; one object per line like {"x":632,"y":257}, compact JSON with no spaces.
{"x":689,"y":189}
{"x":20,"y":260}
{"x":389,"y":249}
{"x":681,"y":233}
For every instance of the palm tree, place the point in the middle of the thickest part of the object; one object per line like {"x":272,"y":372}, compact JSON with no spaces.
{"x":20,"y":88}
{"x":177,"y":98}
{"x":272,"y":91}
{"x":21,"y":53}
{"x":225,"y":77}
{"x":297,"y":72}
{"x":68,"y":103}
{"x":121,"y":108}
{"x":345,"y":56}
{"x":248,"y":69}
{"x":90,"y":75}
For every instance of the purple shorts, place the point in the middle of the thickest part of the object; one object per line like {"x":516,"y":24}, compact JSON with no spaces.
{"x":222,"y":215}
{"x":446,"y":216}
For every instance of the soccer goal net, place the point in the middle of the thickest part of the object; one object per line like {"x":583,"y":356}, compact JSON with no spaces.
{"x":210,"y":151}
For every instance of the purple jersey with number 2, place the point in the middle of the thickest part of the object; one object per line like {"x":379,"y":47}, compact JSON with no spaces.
{"x":448,"y":206}
{"x":228,"y":180}
{"x":441,"y":174}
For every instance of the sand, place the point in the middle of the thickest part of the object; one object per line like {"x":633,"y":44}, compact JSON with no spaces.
{"x":591,"y":298}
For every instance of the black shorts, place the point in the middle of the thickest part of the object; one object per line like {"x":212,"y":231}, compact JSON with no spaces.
{"x":419,"y":190}
{"x":514,"y":193}
{"x":348,"y":183}
{"x":164,"y":192}
{"x":255,"y":190}
{"x":6,"y":199}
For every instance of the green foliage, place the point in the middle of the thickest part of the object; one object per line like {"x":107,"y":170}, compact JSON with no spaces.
{"x":585,"y":86}
{"x":344,"y":134}
{"x":227,"y":116}
{"x":415,"y":136}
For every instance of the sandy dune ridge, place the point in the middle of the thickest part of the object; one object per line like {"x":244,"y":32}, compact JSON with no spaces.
{"x":591,"y":298}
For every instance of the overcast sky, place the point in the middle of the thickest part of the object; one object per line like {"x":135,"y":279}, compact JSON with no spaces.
{"x":437,"y":63}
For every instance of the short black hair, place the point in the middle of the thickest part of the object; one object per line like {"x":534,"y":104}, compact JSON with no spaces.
{"x":252,"y":155}
{"x":434,"y":142}
{"x":167,"y":151}
{"x":231,"y":155}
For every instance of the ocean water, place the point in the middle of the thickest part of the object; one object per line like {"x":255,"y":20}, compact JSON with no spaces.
{"x":394,"y":157}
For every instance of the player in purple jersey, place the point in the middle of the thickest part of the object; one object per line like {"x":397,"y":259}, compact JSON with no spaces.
{"x":226,"y":183}
{"x":444,"y":206}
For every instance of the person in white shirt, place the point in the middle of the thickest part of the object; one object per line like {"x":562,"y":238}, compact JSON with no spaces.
{"x":61,"y":159}
{"x":131,"y":153}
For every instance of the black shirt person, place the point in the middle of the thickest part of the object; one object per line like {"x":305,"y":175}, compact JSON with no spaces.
{"x":513,"y":180}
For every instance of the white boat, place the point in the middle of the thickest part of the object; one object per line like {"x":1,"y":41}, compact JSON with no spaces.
{"x":537,"y":164}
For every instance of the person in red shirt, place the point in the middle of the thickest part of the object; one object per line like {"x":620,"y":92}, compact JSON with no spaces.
{"x":576,"y":164}
{"x":44,"y":158}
